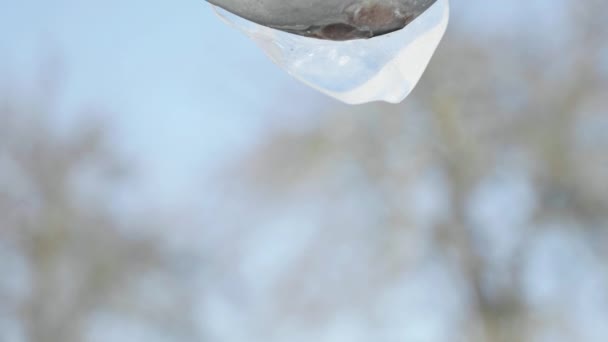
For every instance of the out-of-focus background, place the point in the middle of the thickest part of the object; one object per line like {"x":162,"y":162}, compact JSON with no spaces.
{"x":161,"y":180}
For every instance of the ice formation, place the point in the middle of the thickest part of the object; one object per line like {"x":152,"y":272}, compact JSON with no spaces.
{"x":383,"y":68}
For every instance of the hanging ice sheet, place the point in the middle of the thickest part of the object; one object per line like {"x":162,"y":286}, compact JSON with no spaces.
{"x":383,"y":68}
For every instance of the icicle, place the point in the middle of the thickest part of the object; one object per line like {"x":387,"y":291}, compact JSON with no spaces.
{"x":383,"y":68}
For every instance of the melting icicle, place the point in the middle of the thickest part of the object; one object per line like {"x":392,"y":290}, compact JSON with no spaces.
{"x":383,"y":68}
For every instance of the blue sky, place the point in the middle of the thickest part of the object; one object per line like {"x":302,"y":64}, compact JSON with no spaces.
{"x":186,"y":90}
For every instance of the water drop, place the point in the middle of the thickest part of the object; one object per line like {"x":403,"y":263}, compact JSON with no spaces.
{"x":382,"y":68}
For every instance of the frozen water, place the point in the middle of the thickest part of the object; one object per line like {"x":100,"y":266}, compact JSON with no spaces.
{"x":383,"y":68}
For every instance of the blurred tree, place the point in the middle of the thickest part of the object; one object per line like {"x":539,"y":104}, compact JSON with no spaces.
{"x":493,"y":172}
{"x":72,"y":268}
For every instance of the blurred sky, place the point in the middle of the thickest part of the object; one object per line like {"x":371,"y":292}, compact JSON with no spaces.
{"x":186,"y":91}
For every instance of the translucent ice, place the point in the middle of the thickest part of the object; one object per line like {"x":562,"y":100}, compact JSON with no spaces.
{"x":383,"y":68}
